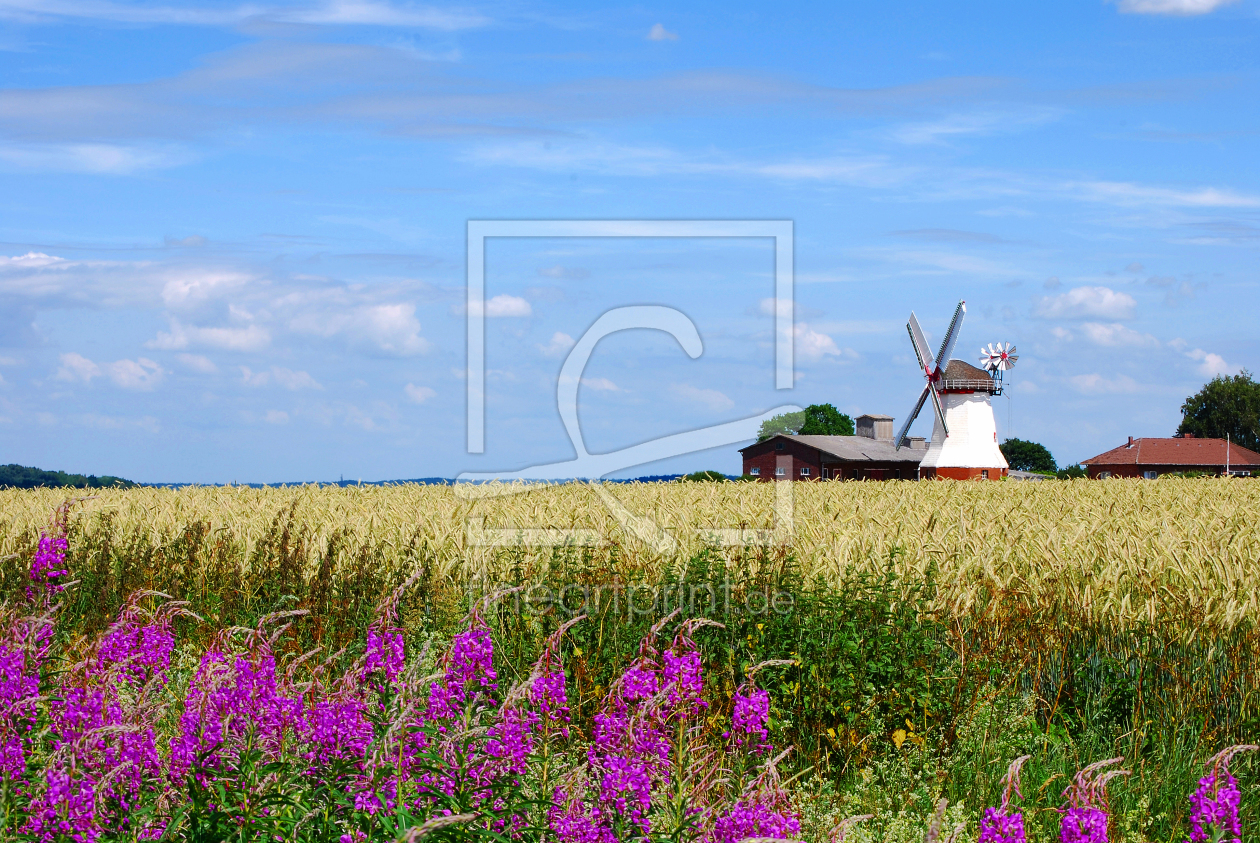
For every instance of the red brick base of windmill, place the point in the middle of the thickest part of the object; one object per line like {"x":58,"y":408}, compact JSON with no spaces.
{"x":945,"y":472}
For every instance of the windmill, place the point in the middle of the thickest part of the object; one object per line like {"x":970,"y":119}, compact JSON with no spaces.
{"x":964,"y":434}
{"x":997,"y":359}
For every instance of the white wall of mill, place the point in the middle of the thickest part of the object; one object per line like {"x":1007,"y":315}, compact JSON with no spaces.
{"x":972,"y":440}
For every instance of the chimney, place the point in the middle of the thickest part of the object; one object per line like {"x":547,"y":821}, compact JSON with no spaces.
{"x":1130,"y":445}
{"x":874,"y":427}
{"x":1187,"y":436}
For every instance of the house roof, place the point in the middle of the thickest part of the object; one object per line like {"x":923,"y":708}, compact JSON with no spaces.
{"x":855,"y":448}
{"x":1187,"y":452}
{"x":876,"y":416}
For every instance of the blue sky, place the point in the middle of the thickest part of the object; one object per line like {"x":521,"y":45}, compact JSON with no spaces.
{"x":233,"y":234}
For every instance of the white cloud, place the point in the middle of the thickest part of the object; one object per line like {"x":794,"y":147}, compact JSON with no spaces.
{"x":146,"y":423}
{"x":30,"y":260}
{"x":709,"y":398}
{"x":368,"y":13}
{"x":390,"y":328}
{"x":140,"y":374}
{"x":418,"y":394}
{"x":199,"y":363}
{"x":329,"y":13}
{"x":982,"y":123}
{"x":1085,"y":302}
{"x":1184,"y":8}
{"x":812,"y":345}
{"x":1061,"y":333}
{"x":777,"y":307}
{"x":601,"y":385}
{"x":659,"y":33}
{"x":253,"y":378}
{"x":1126,"y":193}
{"x":566,"y":273}
{"x":503,"y":305}
{"x":292,"y":380}
{"x":249,"y":338}
{"x":192,"y":287}
{"x":559,"y":345}
{"x":1096,"y":384}
{"x":286,"y":378}
{"x":1210,"y":365}
{"x":98,"y":158}
{"x":1117,"y":335}
{"x":276,"y":417}
{"x":77,"y":368}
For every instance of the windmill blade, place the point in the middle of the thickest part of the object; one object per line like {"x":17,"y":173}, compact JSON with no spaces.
{"x":951,"y":337}
{"x":936,"y":402}
{"x":914,"y":414}
{"x":920,"y":344}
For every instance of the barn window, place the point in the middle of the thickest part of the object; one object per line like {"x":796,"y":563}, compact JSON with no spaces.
{"x":805,"y":471}
{"x":1103,"y":475}
{"x":984,"y":473}
{"x":755,"y":472}
{"x":778,"y":446}
{"x":779,"y":472}
{"x":897,"y":473}
{"x":1150,"y":475}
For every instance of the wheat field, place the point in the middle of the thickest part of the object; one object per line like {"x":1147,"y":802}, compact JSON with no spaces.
{"x":1111,"y":551}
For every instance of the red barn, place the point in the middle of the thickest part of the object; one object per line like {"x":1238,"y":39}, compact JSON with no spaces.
{"x":1149,"y":458}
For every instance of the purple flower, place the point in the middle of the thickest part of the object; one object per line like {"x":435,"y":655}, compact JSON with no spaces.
{"x":1214,"y":806}
{"x":639,"y":683}
{"x":1001,"y":824}
{"x":682,"y":677}
{"x":469,"y":673}
{"x":385,"y":653}
{"x":997,"y":826}
{"x":1083,"y":825}
{"x":746,"y":820}
{"x":1085,"y":818}
{"x":47,"y":566}
{"x":748,"y":720}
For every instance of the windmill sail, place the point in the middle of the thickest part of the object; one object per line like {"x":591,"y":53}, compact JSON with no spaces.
{"x":933,"y":368}
{"x":951,"y":337}
{"x":920,"y":343}
{"x":914,"y":414}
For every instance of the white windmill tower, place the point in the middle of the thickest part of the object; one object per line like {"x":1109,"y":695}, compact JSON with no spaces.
{"x":964,"y":436}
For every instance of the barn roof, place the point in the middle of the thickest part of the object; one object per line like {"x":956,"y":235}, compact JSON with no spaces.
{"x":856,"y":448}
{"x":1187,"y":452}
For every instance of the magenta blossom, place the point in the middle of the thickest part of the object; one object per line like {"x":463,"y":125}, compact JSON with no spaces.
{"x":1214,"y":805}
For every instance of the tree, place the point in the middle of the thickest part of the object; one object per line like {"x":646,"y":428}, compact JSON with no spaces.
{"x":704,"y":476}
{"x":1022,"y":455}
{"x":1225,"y":406}
{"x":25,"y":477}
{"x":826,"y":420}
{"x":789,"y":423}
{"x":1072,"y":472}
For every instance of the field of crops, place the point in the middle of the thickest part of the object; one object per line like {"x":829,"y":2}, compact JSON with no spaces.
{"x":381,"y":663}
{"x":1115,"y":552}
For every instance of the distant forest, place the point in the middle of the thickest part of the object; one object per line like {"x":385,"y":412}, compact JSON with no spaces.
{"x":24,"y":477}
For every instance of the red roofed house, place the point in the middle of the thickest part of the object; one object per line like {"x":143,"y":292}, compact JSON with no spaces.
{"x":1150,"y":458}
